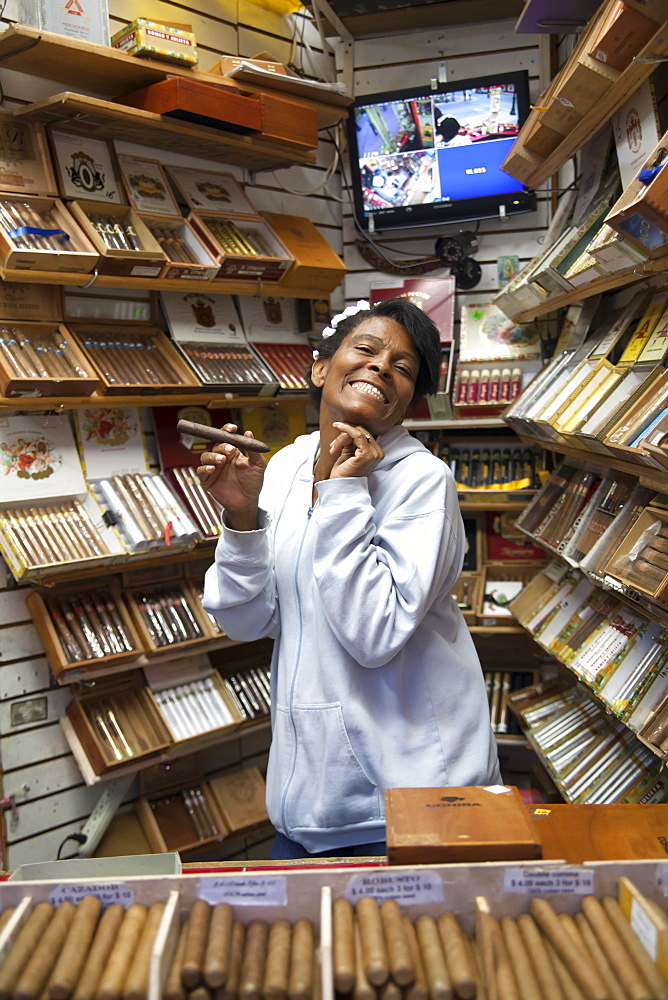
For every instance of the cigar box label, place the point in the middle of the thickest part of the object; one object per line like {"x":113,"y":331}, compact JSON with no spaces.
{"x":106,"y":892}
{"x":646,"y":930}
{"x":539,"y":882}
{"x":270,"y":890}
{"x":405,"y":887}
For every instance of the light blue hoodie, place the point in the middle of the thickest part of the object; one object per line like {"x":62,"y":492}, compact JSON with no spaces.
{"x":375,"y":679}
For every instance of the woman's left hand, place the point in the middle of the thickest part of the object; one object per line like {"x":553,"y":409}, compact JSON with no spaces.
{"x":356,"y":452}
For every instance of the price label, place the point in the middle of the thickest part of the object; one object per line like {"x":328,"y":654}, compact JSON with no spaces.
{"x":646,"y":930}
{"x":537,"y":881}
{"x":405,"y":887}
{"x":247,"y":891}
{"x":106,"y":892}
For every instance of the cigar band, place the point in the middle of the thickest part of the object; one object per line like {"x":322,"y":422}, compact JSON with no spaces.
{"x":31,"y":231}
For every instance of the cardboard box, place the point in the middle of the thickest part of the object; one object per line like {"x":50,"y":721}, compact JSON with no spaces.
{"x":147,"y":261}
{"x":442,"y":825}
{"x":315,"y":265}
{"x":85,"y":21}
{"x":621,"y":36}
{"x":157,"y":40}
{"x":66,"y":248}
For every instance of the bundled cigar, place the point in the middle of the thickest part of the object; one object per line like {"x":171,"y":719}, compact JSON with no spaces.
{"x":167,"y":616}
{"x":115,"y":233}
{"x":250,"y":691}
{"x":33,"y":354}
{"x":194,"y":801}
{"x":227,"y":365}
{"x":173,"y":246}
{"x":205,"y":510}
{"x":291,"y":362}
{"x":130,"y":358}
{"x":51,"y":533}
{"x":30,"y":228}
{"x":145,"y":510}
{"x":193,"y":708}
{"x":238,"y":241}
{"x":89,"y":626}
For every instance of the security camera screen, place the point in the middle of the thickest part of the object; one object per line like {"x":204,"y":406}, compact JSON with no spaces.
{"x":439,"y":148}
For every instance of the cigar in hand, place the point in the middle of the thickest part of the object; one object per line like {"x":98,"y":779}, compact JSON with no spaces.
{"x":220,"y":436}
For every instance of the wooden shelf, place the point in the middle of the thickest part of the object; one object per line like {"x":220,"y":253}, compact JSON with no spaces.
{"x":89,"y":116}
{"x":496,"y":630}
{"x":223,"y":286}
{"x":110,"y":72}
{"x":464,"y":424}
{"x":604,"y":283}
{"x":535,"y":170}
{"x":207,"y":398}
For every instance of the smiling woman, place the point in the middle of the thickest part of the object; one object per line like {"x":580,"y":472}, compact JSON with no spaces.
{"x":345,"y":550}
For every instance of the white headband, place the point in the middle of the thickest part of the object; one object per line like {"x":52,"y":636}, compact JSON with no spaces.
{"x":330,"y":330}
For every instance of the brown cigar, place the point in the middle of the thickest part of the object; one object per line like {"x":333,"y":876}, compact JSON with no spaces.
{"x":220,"y":436}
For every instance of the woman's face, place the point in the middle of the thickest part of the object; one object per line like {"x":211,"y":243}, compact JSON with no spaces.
{"x":371,"y":378}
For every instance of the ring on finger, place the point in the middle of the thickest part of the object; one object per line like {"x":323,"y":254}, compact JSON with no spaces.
{"x":368,"y":437}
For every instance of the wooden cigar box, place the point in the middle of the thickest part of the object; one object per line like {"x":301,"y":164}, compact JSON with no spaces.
{"x":177,"y":809}
{"x":240,"y":799}
{"x":247,"y":249}
{"x":500,"y":585}
{"x":43,"y":341}
{"x":161,"y":633}
{"x":78,"y":253}
{"x":289,"y":123}
{"x":580,"y":833}
{"x":146,"y":262}
{"x":203,"y":103}
{"x":117,"y":726}
{"x":443,"y":825}
{"x":68,"y":601}
{"x":315,"y":265}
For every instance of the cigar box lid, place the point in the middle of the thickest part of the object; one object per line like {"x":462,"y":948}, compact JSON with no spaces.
{"x":240,"y":796}
{"x":270,"y":320}
{"x":111,"y":441}
{"x":86,"y":168}
{"x":198,"y":317}
{"x":470,"y":823}
{"x":171,"y":774}
{"x":147,"y":187}
{"x":25,"y":164}
{"x":39,"y":459}
{"x":25,"y":302}
{"x":138,"y":307}
{"x":212,"y":191}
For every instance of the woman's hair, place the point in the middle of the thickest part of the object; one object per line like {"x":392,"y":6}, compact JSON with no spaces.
{"x":422,"y":331}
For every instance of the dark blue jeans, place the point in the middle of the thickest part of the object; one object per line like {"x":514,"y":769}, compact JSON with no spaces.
{"x":289,"y":850}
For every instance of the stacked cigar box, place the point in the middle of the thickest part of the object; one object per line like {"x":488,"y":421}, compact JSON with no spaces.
{"x":36,"y":231}
{"x":208,"y":332}
{"x":150,"y":194}
{"x":89,"y":179}
{"x":639,"y":214}
{"x":140,"y":505}
{"x":48,"y":519}
{"x":38,"y":355}
{"x":117,"y":331}
{"x":270,"y":325}
{"x":240,"y":240}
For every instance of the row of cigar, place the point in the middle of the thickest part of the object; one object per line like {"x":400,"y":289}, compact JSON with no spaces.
{"x":647,"y":565}
{"x":145,"y":510}
{"x":206,"y":511}
{"x":17,"y":218}
{"x":239,"y":242}
{"x":250,"y":691}
{"x":123,"y":727}
{"x":195,"y":804}
{"x":228,"y":365}
{"x":289,"y":361}
{"x":499,"y":685}
{"x":116,"y":234}
{"x":193,"y":708}
{"x":167,"y":616}
{"x":379,"y":952}
{"x":89,"y":626}
{"x":40,"y":355}
{"x":175,"y":248}
{"x":132,"y":358}
{"x":490,"y":466}
{"x":51,"y":533}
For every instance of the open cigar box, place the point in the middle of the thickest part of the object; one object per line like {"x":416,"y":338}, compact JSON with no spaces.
{"x":48,"y":519}
{"x":117,"y":723}
{"x":38,"y":234}
{"x":208,"y":332}
{"x":177,"y":808}
{"x":640,"y":214}
{"x":86,"y":629}
{"x":117,"y":332}
{"x":151,"y":196}
{"x":500,"y":584}
{"x":123,"y":241}
{"x":640,"y":560}
{"x":315,"y":265}
{"x":37,"y":355}
{"x":169,"y":617}
{"x":271,"y":327}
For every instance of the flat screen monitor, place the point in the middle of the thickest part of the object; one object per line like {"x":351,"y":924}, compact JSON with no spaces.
{"x":423,"y":156}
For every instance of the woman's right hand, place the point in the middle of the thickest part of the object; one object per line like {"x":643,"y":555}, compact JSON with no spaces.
{"x":232,"y":478}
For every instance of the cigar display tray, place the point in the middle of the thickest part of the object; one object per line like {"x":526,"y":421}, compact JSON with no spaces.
{"x":38,"y":234}
{"x":640,"y":561}
{"x":123,"y":242}
{"x":149,"y":192}
{"x":169,"y":617}
{"x":43,"y":359}
{"x":85,"y":629}
{"x":640,"y":212}
{"x":476,"y":896}
{"x":244,"y":248}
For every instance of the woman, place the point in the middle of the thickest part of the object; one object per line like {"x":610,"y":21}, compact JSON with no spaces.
{"x":346,"y":553}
